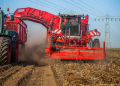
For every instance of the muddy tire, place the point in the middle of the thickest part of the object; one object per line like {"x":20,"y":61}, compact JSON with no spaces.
{"x":5,"y":50}
{"x":96,"y":43}
{"x":15,"y":50}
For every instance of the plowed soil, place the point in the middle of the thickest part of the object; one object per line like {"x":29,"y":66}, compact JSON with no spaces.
{"x":26,"y":74}
{"x":98,"y":73}
{"x":34,"y":69}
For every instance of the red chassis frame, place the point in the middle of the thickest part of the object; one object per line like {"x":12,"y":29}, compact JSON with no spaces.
{"x":81,"y":53}
{"x":48,"y":19}
{"x":20,"y":27}
{"x":81,"y":50}
{"x":84,"y":55}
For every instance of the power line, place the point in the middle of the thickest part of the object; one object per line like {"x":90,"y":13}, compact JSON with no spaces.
{"x":113,"y":31}
{"x":45,"y":5}
{"x":116,"y":26}
{"x":52,"y":5}
{"x":118,"y":23}
{"x":96,"y":5}
{"x":41,"y":4}
{"x":107,"y":27}
{"x":77,"y":6}
{"x":49,"y":6}
{"x":110,"y":29}
{"x":58,"y":5}
{"x":116,"y":39}
{"x":101,"y":5}
{"x":83,"y":6}
{"x":91,"y":7}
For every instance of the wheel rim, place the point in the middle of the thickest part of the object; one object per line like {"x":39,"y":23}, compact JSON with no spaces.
{"x":17,"y":50}
{"x":9,"y":52}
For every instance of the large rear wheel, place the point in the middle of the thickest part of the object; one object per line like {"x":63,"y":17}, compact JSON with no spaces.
{"x":5,"y":50}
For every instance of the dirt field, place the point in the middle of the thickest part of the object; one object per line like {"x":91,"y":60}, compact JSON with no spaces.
{"x":41,"y":71}
{"x":97,"y":73}
{"x":31,"y":70}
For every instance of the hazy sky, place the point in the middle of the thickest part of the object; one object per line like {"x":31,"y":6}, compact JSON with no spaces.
{"x":93,"y":8}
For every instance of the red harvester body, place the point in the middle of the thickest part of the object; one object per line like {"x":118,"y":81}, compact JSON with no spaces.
{"x":74,"y":34}
{"x":20,"y":27}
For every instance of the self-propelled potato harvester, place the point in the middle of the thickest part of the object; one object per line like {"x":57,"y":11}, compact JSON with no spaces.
{"x":68,"y":35}
{"x":73,"y":40}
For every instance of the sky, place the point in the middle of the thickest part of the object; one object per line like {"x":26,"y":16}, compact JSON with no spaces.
{"x":94,"y":8}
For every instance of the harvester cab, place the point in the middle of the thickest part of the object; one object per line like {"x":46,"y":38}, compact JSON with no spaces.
{"x":74,"y":30}
{"x":72,"y":22}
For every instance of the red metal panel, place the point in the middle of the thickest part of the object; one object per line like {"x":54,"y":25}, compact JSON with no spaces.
{"x":48,"y":19}
{"x":79,"y":54}
{"x":19,"y":26}
{"x":45,"y":18}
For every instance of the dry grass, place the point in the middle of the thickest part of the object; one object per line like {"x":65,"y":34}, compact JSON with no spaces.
{"x":90,"y":73}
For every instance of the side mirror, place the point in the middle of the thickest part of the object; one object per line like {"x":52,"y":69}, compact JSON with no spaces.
{"x":11,"y":17}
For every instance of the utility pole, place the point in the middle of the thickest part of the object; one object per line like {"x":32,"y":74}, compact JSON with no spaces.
{"x":107,"y":18}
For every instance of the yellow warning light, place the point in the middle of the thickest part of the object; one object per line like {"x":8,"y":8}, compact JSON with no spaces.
{"x":7,"y":9}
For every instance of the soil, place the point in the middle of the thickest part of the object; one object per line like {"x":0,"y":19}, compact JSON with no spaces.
{"x":26,"y":74}
{"x":34,"y":69}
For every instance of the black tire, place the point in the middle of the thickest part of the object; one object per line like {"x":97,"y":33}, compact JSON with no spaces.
{"x":96,"y":43}
{"x":5,"y":50}
{"x":15,"y":50}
